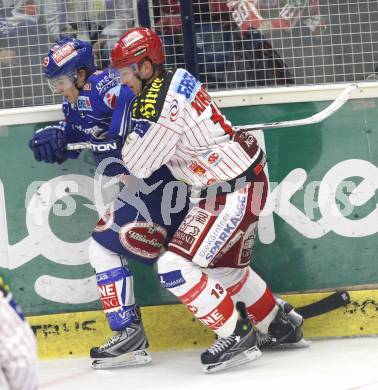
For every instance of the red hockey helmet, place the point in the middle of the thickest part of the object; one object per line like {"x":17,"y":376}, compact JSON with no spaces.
{"x":136,"y":44}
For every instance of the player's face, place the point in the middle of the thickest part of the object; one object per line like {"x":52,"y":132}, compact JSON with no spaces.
{"x":65,"y":86}
{"x":129,"y":76}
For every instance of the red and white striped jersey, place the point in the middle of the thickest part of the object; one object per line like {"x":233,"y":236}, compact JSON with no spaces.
{"x":174,"y":121}
{"x":18,"y":351}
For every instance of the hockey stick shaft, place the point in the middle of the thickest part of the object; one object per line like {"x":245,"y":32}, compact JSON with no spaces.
{"x":316,"y":118}
{"x":325,"y":305}
{"x":79,"y":146}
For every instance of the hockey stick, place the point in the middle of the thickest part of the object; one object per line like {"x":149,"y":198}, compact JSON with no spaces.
{"x":316,"y":118}
{"x":79,"y":146}
{"x":332,"y":302}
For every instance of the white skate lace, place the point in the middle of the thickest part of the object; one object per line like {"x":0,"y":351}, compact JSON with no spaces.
{"x":263,"y":338}
{"x":111,"y":341}
{"x":221,"y":344}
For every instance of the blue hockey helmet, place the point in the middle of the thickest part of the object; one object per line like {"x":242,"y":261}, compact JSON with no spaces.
{"x":67,"y":56}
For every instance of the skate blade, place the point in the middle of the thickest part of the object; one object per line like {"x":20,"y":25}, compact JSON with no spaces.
{"x":302,"y":343}
{"x":244,"y":357}
{"x":125,"y":360}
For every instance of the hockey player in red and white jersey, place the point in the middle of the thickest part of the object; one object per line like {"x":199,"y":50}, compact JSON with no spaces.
{"x":175,"y":122}
{"x":18,"y":348}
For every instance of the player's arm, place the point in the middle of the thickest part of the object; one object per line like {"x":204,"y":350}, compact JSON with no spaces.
{"x":49,"y":144}
{"x":148,"y":146}
{"x":107,"y":143}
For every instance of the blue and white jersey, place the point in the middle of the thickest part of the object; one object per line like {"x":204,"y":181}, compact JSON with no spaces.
{"x":93,"y":108}
{"x":122,"y":113}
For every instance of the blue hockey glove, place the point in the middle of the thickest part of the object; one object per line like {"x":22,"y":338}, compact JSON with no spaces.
{"x":49,"y":144}
{"x":107,"y":147}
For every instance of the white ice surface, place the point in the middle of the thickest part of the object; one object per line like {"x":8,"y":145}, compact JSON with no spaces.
{"x":338,"y":364}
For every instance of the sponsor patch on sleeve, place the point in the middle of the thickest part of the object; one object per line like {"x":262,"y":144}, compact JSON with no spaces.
{"x":171,"y":279}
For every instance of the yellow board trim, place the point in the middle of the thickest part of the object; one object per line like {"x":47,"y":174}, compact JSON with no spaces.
{"x":172,"y":327}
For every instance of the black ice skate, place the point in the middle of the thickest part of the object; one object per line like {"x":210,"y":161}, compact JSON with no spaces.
{"x":239,"y":348}
{"x":285,"y":331}
{"x":126,"y":348}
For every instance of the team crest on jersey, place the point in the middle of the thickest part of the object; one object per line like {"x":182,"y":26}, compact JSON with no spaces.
{"x":84,"y":103}
{"x":197,"y":168}
{"x":87,"y":87}
{"x":64,"y":54}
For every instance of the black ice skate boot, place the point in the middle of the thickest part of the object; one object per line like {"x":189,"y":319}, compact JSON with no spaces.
{"x":285,"y":330}
{"x":238,"y":348}
{"x":128,"y":347}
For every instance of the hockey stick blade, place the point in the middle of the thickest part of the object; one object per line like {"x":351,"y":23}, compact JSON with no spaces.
{"x":332,"y":302}
{"x":316,"y":118}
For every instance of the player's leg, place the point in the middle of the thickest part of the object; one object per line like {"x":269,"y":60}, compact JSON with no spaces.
{"x":134,"y":229}
{"x":209,"y":301}
{"x":276,"y":321}
{"x":199,"y":242}
{"x":128,"y":346}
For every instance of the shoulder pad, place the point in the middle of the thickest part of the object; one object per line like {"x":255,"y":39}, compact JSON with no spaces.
{"x":185,"y":83}
{"x":101,"y":82}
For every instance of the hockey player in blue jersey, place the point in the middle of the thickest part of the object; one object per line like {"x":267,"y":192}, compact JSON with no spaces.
{"x":97,"y":109}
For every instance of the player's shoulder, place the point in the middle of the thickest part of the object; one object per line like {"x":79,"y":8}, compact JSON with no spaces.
{"x":99,"y":88}
{"x":184,"y":84}
{"x":99,"y":84}
{"x":150,"y":101}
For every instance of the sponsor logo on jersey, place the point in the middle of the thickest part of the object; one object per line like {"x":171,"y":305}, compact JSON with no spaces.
{"x":213,"y":158}
{"x":105,"y":83}
{"x":197,"y":168}
{"x":111,"y":99}
{"x":135,"y":36}
{"x":190,"y":230}
{"x":225,"y":229}
{"x":86,"y":130}
{"x":174,"y":110}
{"x":187,"y":85}
{"x":247,"y":142}
{"x":140,"y":126}
{"x":108,"y":296}
{"x":144,"y":239}
{"x":148,"y":101}
{"x":64,"y":54}
{"x":201,"y":101}
{"x":171,"y":279}
{"x":84,"y":103}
